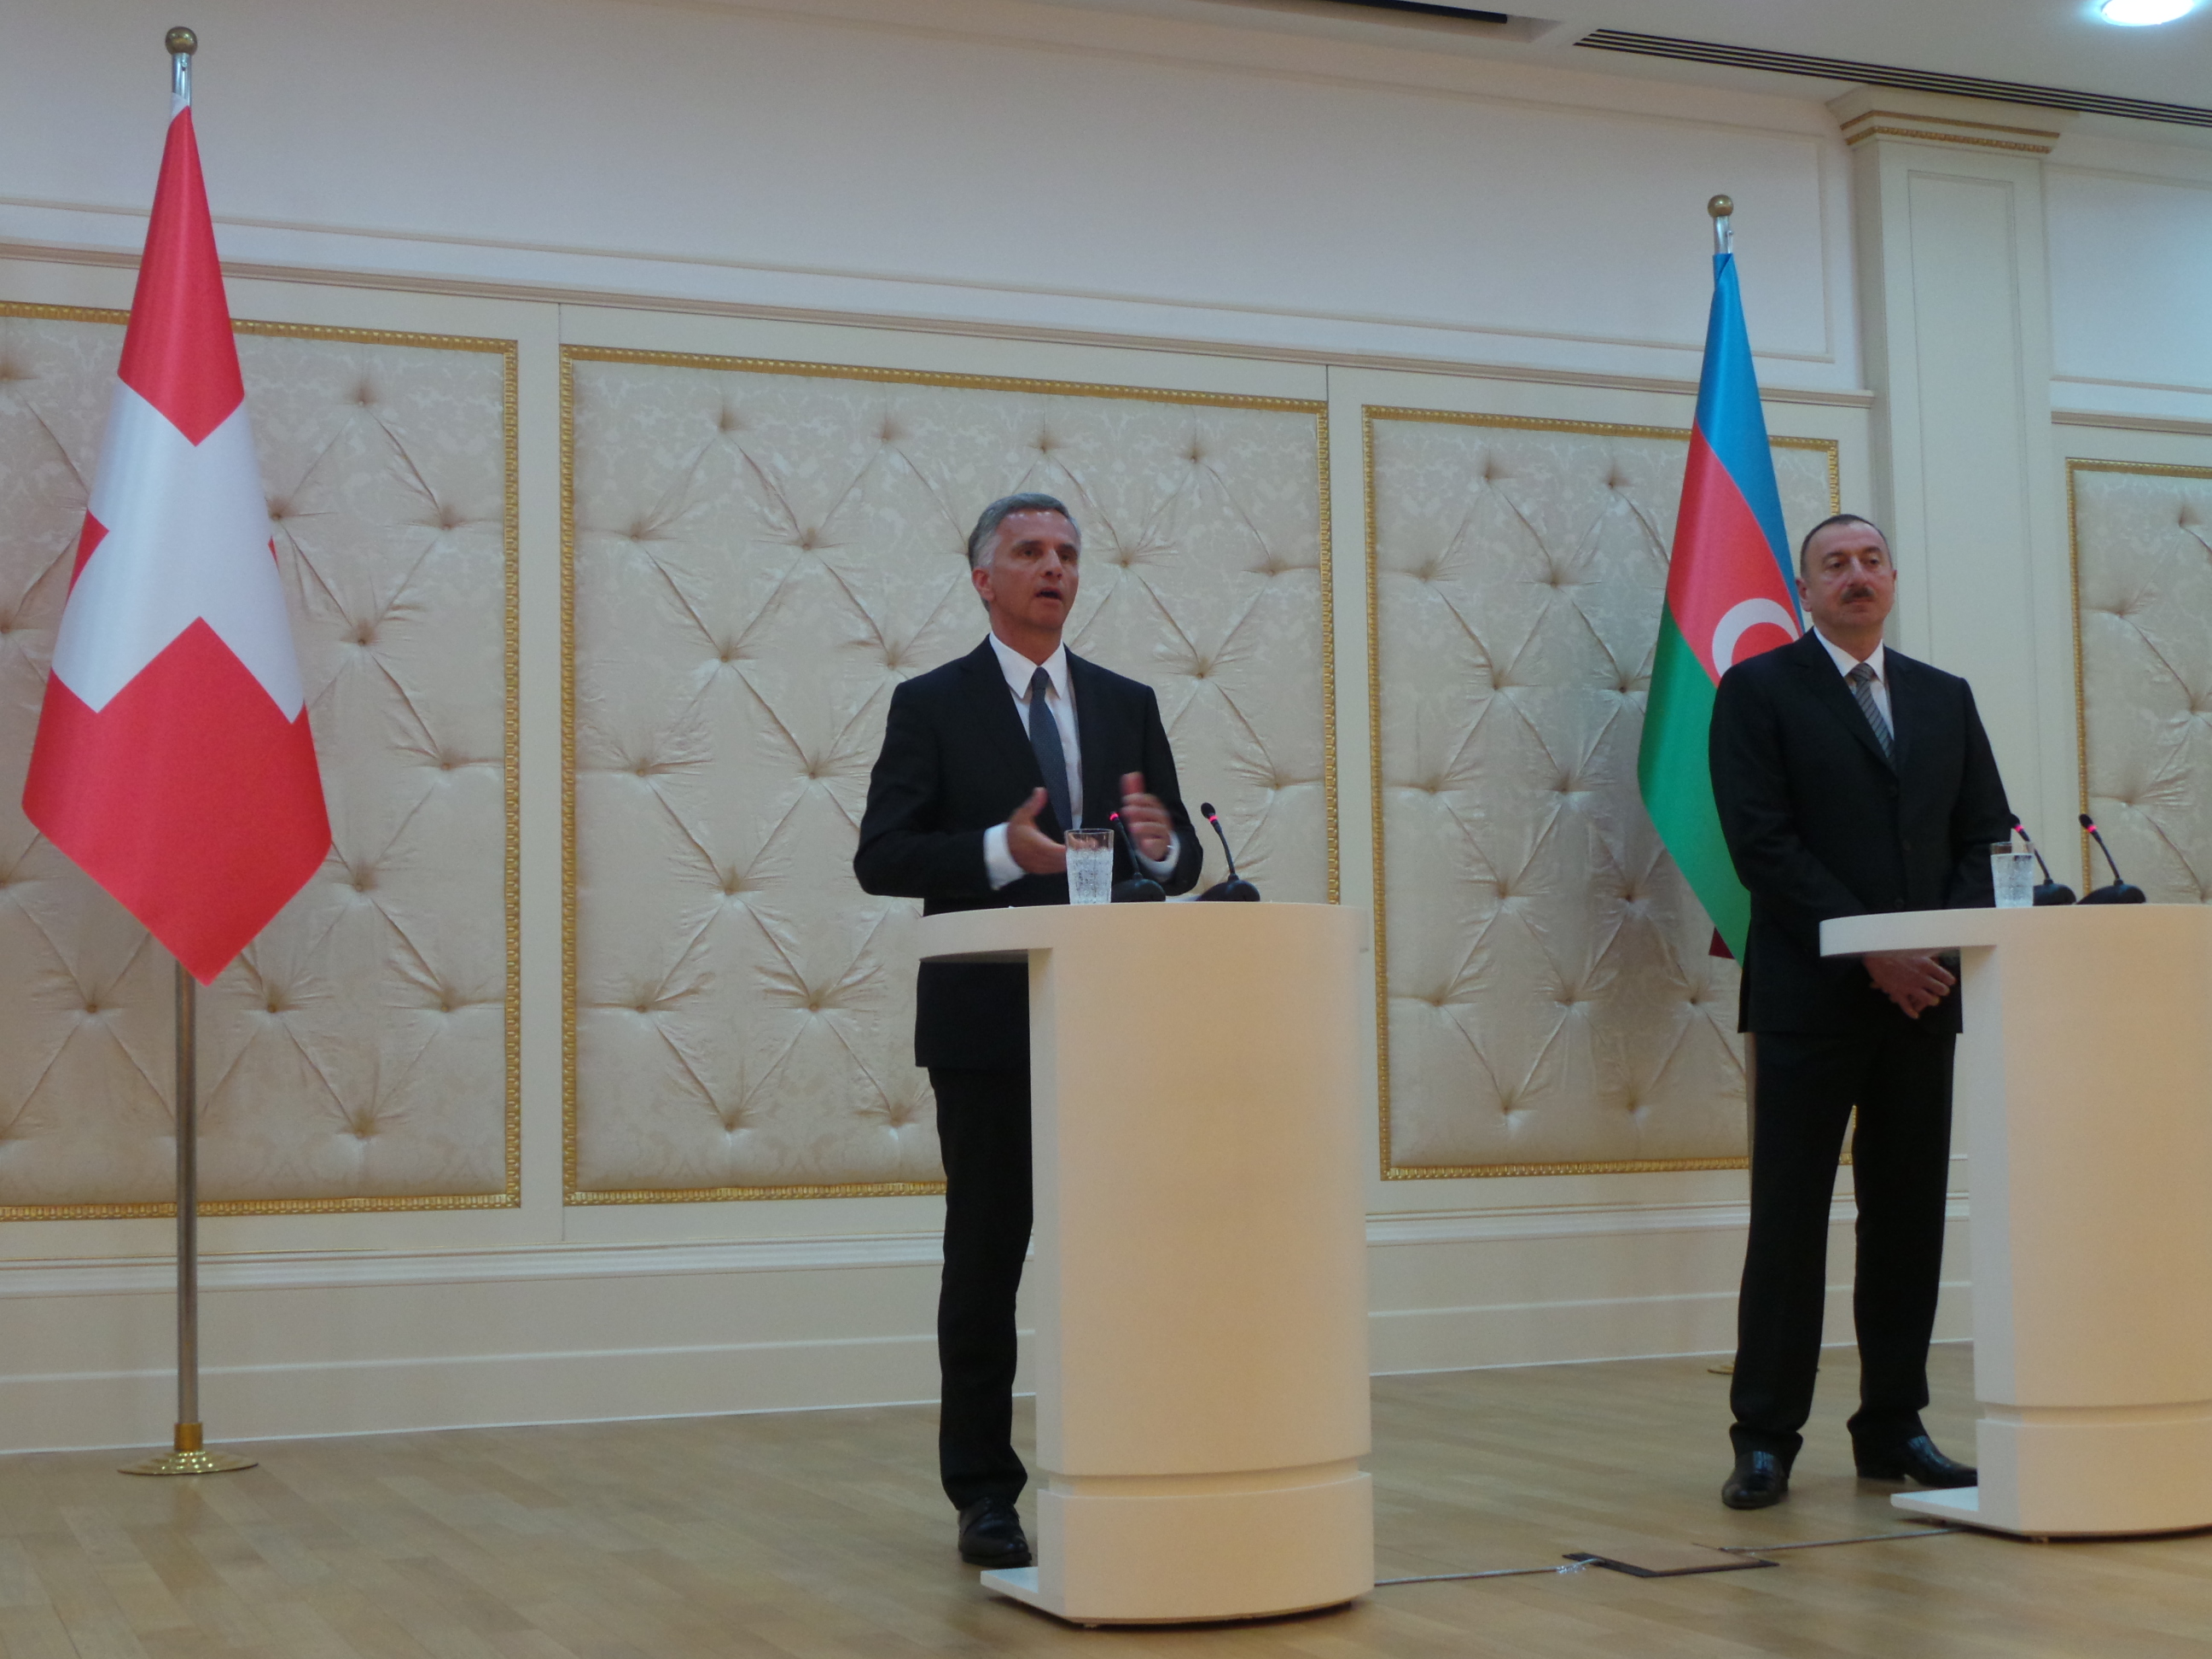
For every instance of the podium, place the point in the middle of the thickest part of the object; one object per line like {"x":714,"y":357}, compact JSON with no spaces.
{"x":2084,"y":1083}
{"x":1200,"y":1273}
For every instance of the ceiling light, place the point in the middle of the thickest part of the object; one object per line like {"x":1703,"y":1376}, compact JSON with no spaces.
{"x":2136,"y":13}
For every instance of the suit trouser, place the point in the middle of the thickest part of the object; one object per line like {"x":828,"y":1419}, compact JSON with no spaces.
{"x":983,"y":1133}
{"x":1805,"y":1085}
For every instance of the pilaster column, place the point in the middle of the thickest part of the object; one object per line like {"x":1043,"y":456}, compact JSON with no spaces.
{"x":1955,"y":317}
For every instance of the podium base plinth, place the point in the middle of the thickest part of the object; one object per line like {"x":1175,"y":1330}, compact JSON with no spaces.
{"x":1192,"y":1555}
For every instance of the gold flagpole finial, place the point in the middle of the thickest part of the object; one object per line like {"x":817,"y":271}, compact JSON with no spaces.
{"x":180,"y":43}
{"x":1722,"y":208}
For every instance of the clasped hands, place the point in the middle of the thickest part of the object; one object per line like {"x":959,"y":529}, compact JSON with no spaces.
{"x":1914,"y":981}
{"x":1039,"y":854}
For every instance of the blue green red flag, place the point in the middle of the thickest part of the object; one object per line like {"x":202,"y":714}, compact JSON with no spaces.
{"x":1728,"y":596}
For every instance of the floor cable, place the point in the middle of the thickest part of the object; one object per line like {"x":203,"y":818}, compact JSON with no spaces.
{"x":1729,"y":1549}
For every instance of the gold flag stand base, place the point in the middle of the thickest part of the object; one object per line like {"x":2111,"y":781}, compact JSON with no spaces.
{"x":189,"y":1458}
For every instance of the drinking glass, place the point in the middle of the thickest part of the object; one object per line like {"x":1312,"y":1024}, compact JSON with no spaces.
{"x":1090,"y":866}
{"x":2014,"y":876}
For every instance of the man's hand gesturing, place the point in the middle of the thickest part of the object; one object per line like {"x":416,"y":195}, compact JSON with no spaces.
{"x":1038,"y":852}
{"x":1147,"y":821}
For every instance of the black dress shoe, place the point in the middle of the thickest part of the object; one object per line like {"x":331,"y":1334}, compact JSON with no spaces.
{"x":1916,"y":1459}
{"x":1759,"y":1480}
{"x":991,"y":1536}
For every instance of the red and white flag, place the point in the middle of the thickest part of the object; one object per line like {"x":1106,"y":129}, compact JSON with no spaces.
{"x":174,"y":762}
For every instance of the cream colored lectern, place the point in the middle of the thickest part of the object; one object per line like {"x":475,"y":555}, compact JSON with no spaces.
{"x":1201,"y":1269}
{"x":2085,"y":1093}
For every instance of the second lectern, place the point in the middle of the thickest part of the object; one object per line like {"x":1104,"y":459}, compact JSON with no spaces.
{"x":1200,"y":1277}
{"x":2085,"y":1085}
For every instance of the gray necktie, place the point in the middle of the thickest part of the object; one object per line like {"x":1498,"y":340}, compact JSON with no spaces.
{"x":1861,"y":683}
{"x":1052,"y":759}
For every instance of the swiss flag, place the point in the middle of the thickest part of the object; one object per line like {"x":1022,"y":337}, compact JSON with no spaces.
{"x":174,"y":762}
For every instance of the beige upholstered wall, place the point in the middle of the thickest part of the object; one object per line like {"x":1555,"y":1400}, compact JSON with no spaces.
{"x":2142,"y":565}
{"x":359,"y":1055}
{"x":760,"y":552}
{"x":1546,"y":998}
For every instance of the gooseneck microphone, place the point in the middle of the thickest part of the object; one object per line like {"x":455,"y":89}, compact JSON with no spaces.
{"x":1236,"y":889}
{"x":1139,"y":889}
{"x":2120,"y":892}
{"x":2049,"y":889}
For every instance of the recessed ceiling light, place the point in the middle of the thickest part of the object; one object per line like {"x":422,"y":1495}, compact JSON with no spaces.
{"x":2136,"y":13}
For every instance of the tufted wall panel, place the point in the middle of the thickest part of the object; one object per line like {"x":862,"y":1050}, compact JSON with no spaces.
{"x":1547,"y":999}
{"x":759,"y":554}
{"x":2142,"y":568}
{"x":360,"y":1055}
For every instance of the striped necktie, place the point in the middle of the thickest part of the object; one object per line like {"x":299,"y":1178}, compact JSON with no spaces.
{"x":1052,"y":757}
{"x":1861,"y":683}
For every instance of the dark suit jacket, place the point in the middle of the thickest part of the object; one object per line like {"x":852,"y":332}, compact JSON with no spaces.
{"x":1820,"y":825}
{"x":956,"y":760}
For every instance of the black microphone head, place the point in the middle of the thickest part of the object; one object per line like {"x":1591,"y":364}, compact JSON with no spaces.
{"x":2088,"y":823}
{"x":1205,"y":809}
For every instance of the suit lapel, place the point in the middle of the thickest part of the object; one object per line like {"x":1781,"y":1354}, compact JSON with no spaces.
{"x":997,"y":717}
{"x":1911,"y":716}
{"x":1101,"y":789}
{"x":1830,"y":693}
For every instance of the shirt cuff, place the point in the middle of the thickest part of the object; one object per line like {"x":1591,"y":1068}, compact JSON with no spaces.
{"x":998,"y":866}
{"x":1159,"y":869}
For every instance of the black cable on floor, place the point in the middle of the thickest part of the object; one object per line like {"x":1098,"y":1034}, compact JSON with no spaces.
{"x":1823,"y":1543}
{"x":1726,"y":1549}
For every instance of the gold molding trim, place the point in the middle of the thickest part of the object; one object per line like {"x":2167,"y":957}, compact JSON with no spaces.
{"x":576,"y":1195}
{"x":2076,"y":466}
{"x":1373,"y":413}
{"x":509,"y":1195}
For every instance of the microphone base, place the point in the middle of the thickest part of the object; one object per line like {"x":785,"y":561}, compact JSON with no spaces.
{"x":2119,"y":892}
{"x":2054,"y":892}
{"x":1141,"y":890}
{"x":1236,"y":891}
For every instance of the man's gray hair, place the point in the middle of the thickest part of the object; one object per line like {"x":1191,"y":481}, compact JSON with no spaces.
{"x":987,"y":527}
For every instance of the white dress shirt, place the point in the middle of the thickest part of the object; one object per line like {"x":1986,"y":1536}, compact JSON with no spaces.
{"x":1059,"y":701}
{"x":1880,"y":685}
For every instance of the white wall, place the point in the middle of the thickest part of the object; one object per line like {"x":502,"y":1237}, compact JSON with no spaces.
{"x":992,"y":186}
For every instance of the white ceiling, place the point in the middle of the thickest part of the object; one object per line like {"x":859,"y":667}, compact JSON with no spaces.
{"x":2057,"y":43}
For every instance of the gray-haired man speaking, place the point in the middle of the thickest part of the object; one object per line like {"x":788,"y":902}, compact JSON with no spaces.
{"x":986,"y":763}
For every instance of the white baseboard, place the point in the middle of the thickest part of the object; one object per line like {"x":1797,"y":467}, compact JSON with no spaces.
{"x":301,"y":1344}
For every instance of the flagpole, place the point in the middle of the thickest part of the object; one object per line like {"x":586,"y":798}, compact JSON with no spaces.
{"x":189,"y":1455}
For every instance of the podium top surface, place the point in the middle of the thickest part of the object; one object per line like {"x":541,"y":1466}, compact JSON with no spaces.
{"x":1009,"y":933}
{"x":2062,"y":927}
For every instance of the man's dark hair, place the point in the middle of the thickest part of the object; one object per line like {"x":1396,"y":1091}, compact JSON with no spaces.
{"x":1830,"y":523}
{"x":987,"y":527}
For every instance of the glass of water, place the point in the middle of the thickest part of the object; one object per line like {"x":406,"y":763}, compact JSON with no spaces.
{"x":1090,"y":866}
{"x":2014,"y":876}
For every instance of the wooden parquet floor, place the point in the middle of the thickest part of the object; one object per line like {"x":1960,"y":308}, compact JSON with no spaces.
{"x":822,"y":1535}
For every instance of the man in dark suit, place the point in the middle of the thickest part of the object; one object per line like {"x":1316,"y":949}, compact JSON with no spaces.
{"x":986,"y":763}
{"x":1851,"y":780}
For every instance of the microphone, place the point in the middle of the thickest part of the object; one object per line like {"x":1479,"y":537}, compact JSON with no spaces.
{"x":1139,"y":889}
{"x":2119,"y":892}
{"x":2049,"y":889}
{"x":1236,"y":888}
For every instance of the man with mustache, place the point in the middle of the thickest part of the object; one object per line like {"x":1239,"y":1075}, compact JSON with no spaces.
{"x":1851,"y":780}
{"x":986,"y":763}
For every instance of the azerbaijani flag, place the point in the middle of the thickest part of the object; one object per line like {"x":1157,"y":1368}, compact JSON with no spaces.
{"x":1728,"y":597}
